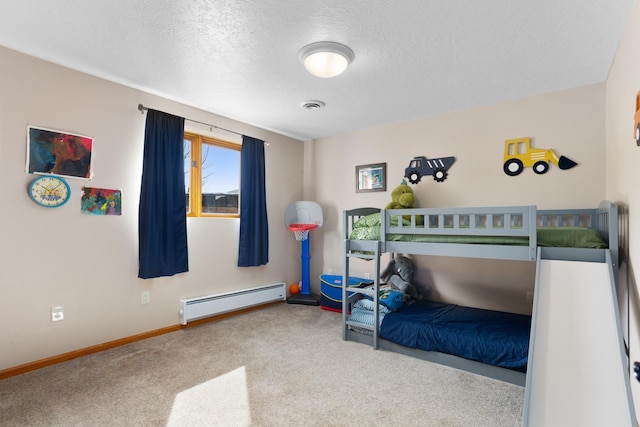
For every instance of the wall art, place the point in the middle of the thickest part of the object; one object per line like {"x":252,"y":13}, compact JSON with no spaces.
{"x":59,"y":153}
{"x":371,"y":178}
{"x":421,"y":166}
{"x":636,"y":121}
{"x":519,"y":154}
{"x":100,"y":201}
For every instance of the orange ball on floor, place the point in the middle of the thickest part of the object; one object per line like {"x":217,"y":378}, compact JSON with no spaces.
{"x":294,"y":289}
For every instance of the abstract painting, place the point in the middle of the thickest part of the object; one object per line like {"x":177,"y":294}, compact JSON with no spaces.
{"x":100,"y":201}
{"x":59,"y":153}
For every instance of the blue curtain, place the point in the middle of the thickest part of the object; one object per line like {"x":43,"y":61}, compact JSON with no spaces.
{"x":162,"y":218}
{"x":254,"y":230}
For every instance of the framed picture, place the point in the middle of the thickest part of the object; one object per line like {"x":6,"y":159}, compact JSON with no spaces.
{"x":60,"y":153}
{"x":371,"y":178}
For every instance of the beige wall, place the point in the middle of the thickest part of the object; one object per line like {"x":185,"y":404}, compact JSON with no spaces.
{"x":88,"y":264}
{"x":571,"y":122}
{"x":623,"y":174}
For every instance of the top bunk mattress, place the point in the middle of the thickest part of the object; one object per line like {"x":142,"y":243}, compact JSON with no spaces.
{"x":368,"y":228}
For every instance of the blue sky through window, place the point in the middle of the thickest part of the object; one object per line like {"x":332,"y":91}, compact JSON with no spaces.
{"x":220,"y":169}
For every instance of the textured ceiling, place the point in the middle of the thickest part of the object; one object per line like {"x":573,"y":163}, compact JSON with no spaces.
{"x":239,"y":58}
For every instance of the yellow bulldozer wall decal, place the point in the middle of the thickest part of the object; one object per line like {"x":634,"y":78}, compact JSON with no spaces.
{"x":518,"y":155}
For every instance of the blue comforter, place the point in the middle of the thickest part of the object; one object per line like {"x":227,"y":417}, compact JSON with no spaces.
{"x":492,"y":337}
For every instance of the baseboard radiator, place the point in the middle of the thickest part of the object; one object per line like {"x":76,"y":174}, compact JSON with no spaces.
{"x":211,"y":305}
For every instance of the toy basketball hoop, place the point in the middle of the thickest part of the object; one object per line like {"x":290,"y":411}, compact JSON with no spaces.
{"x":301,"y":231}
{"x":302,"y":217}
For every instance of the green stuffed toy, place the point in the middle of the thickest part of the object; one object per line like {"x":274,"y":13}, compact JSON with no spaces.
{"x":401,"y":197}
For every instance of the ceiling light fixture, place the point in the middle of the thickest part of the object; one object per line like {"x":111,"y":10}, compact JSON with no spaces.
{"x":326,"y":59}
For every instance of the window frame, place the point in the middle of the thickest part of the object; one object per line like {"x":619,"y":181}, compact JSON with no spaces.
{"x":195,"y":203}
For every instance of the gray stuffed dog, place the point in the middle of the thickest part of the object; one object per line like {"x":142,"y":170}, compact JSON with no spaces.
{"x":399,"y":274}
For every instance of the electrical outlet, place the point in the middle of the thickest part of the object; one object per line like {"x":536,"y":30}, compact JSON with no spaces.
{"x":529,"y":297}
{"x":57,"y":313}
{"x":367,"y":276}
{"x":146,"y":297}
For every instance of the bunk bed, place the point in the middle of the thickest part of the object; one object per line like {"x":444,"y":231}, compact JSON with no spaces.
{"x":519,"y":233}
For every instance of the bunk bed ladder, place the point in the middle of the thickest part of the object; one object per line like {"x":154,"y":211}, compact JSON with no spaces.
{"x":358,"y":292}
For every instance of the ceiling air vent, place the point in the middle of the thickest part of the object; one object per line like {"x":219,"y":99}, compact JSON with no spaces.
{"x":312,"y":105}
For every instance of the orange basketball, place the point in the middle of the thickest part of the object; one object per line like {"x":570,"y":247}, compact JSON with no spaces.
{"x":294,"y":289}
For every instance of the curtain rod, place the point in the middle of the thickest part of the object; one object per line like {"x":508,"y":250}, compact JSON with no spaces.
{"x":142,"y":109}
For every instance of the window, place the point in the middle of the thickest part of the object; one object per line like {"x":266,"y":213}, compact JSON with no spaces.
{"x":212,"y":176}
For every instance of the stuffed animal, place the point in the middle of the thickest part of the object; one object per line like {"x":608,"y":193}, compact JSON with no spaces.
{"x":399,"y":274}
{"x":401,"y":197}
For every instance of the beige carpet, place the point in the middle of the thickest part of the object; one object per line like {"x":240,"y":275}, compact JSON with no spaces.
{"x":285,"y":365}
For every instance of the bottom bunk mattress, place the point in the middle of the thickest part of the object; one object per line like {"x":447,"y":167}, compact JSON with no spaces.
{"x":487,"y":336}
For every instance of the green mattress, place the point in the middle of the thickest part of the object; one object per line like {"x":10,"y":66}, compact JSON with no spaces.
{"x":368,"y":228}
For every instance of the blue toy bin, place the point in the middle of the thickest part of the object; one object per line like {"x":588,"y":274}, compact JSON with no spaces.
{"x":331,"y":290}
